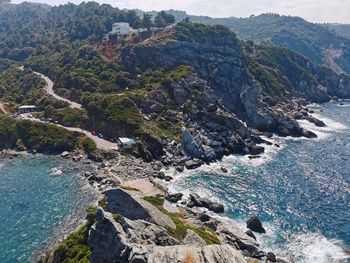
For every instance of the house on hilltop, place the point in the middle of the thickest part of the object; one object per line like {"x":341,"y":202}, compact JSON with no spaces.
{"x":122,"y":29}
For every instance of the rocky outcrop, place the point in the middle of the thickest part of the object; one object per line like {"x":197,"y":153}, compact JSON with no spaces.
{"x":196,"y":200}
{"x":134,"y":208}
{"x":107,"y":240}
{"x":175,"y":254}
{"x":255,"y":225}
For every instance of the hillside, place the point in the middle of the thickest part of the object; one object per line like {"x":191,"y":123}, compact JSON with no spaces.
{"x":192,"y":91}
{"x":321,"y":44}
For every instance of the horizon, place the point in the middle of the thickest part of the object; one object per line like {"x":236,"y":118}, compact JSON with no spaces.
{"x":336,"y":12}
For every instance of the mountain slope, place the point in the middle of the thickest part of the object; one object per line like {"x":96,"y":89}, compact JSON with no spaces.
{"x":191,"y":91}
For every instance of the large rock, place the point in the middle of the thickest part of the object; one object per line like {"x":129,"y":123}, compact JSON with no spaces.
{"x":176,"y":254}
{"x":107,"y":239}
{"x":134,"y":208}
{"x":143,"y":232}
{"x":255,"y":225}
{"x":235,"y":236}
{"x":193,"y":239}
{"x":174,"y":198}
{"x":190,"y":145}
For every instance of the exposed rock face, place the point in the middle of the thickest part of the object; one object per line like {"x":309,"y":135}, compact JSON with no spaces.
{"x":255,"y":225}
{"x":107,"y":239}
{"x":233,"y":235}
{"x":175,"y":254}
{"x":196,"y":200}
{"x":132,"y":207}
{"x":193,"y":239}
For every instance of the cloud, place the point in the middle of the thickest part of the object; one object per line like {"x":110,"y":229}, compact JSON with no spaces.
{"x":312,"y":10}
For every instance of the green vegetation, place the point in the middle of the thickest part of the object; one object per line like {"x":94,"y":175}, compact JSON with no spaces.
{"x":74,"y":249}
{"x":180,"y":232}
{"x":24,"y":87}
{"x":188,"y":31}
{"x":88,"y":145}
{"x":103,"y":203}
{"x":38,"y":136}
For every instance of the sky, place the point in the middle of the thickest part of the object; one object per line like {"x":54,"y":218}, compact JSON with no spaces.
{"x":333,"y":11}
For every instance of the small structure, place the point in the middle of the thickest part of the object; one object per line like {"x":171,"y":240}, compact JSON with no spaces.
{"x":27,"y":109}
{"x":126,"y":143}
{"x":122,"y":29}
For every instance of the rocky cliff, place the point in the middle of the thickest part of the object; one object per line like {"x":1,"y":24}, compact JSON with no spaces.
{"x":129,"y":227}
{"x":233,"y":90}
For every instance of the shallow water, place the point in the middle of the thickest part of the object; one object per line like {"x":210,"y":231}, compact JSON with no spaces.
{"x":34,"y":204}
{"x":300,"y":190}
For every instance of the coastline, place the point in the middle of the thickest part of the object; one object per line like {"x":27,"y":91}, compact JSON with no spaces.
{"x":98,"y":178}
{"x":310,"y":240}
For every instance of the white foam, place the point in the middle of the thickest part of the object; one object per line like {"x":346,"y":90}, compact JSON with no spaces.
{"x":312,"y":247}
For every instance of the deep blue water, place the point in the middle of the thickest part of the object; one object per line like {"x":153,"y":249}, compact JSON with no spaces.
{"x":35,"y":204}
{"x":301,"y":192}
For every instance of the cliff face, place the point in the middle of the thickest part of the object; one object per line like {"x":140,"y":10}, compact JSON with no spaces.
{"x":233,"y":87}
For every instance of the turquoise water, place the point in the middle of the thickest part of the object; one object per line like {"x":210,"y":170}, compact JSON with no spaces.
{"x":34,"y":204}
{"x":301,"y":191}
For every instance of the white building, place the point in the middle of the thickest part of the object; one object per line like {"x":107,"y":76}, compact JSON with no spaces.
{"x":27,"y":109}
{"x":126,"y":143}
{"x":122,"y":29}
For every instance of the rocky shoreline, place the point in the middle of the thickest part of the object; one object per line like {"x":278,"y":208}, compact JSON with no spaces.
{"x":113,"y":175}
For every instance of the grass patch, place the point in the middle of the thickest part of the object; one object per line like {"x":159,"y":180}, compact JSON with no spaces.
{"x":180,"y":232}
{"x":74,"y":248}
{"x":103,"y":203}
{"x":117,"y":217}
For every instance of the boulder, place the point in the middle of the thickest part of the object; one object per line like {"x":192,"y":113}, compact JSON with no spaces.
{"x":193,"y":164}
{"x":174,"y":198}
{"x":190,"y":145}
{"x":106,"y":239}
{"x":208,"y":153}
{"x":143,"y":232}
{"x":255,"y":225}
{"x":308,"y":134}
{"x":224,"y":170}
{"x":235,"y":236}
{"x":203,"y":217}
{"x":65,"y":154}
{"x":193,"y":239}
{"x":271,"y":256}
{"x":216,"y":207}
{"x":250,"y":233}
{"x":196,"y":200}
{"x":132,"y":207}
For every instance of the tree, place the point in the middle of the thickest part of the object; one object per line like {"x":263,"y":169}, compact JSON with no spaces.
{"x":163,"y":19}
{"x":4,"y":1}
{"x":133,"y":19}
{"x":159,"y":21}
{"x":147,"y":21}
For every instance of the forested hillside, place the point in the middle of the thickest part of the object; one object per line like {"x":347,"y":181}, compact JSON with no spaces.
{"x":151,"y":85}
{"x":322,"y":44}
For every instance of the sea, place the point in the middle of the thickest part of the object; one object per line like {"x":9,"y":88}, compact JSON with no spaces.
{"x":300,"y":189}
{"x":42,"y":198}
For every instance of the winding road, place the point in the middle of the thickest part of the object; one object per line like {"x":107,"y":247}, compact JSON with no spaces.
{"x":100,"y":143}
{"x":49,"y":89}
